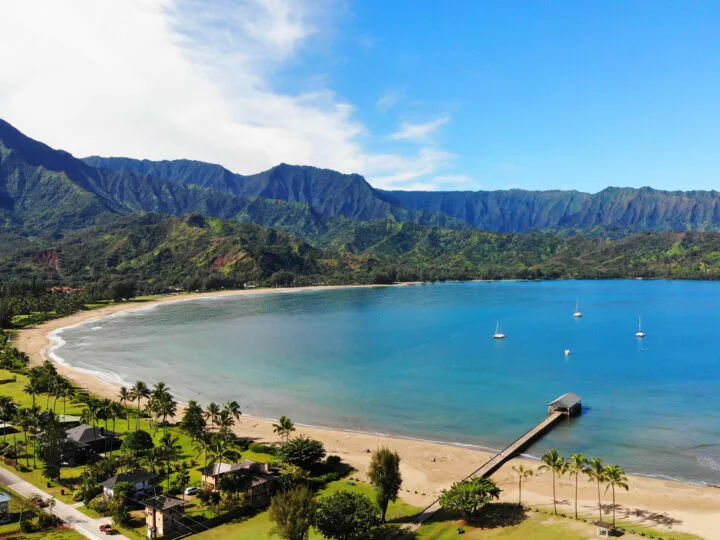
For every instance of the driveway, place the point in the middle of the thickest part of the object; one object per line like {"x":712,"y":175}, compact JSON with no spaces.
{"x":87,"y":526}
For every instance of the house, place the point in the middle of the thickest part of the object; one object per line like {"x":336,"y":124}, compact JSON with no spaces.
{"x":83,"y":442}
{"x":163,"y":515}
{"x":142,"y":480}
{"x":604,"y":529}
{"x":6,"y":429}
{"x":259,"y":479}
{"x":212,"y":473}
{"x":569,"y":404}
{"x":4,"y":506}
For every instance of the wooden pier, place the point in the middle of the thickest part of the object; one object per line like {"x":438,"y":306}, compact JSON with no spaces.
{"x":569,"y":405}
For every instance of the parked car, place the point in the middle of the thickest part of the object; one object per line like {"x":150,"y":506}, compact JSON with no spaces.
{"x":191,"y":490}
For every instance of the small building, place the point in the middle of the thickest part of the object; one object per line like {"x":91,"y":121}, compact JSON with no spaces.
{"x":258,"y":479}
{"x":142,"y":480}
{"x":163,"y":515}
{"x":6,"y":429}
{"x":212,"y":474}
{"x":4,"y":506}
{"x":90,"y":439}
{"x":604,"y":529}
{"x":569,"y":404}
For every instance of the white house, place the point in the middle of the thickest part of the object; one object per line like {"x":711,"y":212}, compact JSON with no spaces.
{"x":142,"y":480}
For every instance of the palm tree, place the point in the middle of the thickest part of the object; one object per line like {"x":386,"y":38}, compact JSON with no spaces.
{"x":23,"y":418}
{"x":124,"y":397}
{"x":233,"y":409}
{"x":554,"y":463}
{"x":8,"y":410}
{"x":138,"y":392}
{"x":33,"y":388}
{"x":576,"y":466}
{"x":596,"y":471}
{"x":615,"y":477}
{"x":170,"y":450}
{"x":202,"y":445}
{"x":212,"y":413}
{"x":284,"y":427}
{"x":63,"y":390}
{"x":523,"y":472}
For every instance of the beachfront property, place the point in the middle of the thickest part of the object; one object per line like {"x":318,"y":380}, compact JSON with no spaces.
{"x":84,"y":441}
{"x":6,"y":429}
{"x":163,"y":515}
{"x":4,"y":506}
{"x":569,"y":404}
{"x":142,"y":480}
{"x":260,"y":479}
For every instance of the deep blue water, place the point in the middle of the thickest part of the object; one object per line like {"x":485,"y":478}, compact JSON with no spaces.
{"x":420,"y":361}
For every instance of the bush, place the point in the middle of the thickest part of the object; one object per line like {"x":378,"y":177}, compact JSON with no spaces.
{"x":90,"y":493}
{"x":27,"y":526}
{"x":99,"y":504}
{"x":48,"y":520}
{"x":260,"y":448}
{"x":333,"y":461}
{"x":302,"y":452}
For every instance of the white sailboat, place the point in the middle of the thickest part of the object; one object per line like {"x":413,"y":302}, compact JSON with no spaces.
{"x":498,"y":332}
{"x":577,"y":313}
{"x":640,"y":333}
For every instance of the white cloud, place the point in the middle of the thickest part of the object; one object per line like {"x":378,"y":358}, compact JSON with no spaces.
{"x":417,"y":131}
{"x":388,"y":100}
{"x":168,"y":79}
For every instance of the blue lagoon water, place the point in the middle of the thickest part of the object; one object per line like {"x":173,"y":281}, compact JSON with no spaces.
{"x":419,"y":361}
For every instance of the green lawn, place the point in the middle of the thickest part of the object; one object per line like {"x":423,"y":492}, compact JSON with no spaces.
{"x":12,"y":530}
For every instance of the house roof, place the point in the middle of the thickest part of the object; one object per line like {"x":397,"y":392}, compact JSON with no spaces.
{"x":218,"y":469}
{"x":604,"y":525}
{"x":566,"y":401}
{"x":133,"y":477}
{"x":87,"y":434}
{"x":4,"y":497}
{"x":262,"y":479}
{"x":163,"y":502}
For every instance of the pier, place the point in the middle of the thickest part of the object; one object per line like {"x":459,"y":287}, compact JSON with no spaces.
{"x":566,"y":405}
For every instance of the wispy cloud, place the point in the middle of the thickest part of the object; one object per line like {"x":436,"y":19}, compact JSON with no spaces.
{"x":388,"y":100}
{"x":409,"y":131}
{"x":167,"y":79}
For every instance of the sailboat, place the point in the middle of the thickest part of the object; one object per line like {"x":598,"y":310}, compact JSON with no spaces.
{"x":577,"y":313}
{"x":640,"y":333}
{"x":498,"y":332}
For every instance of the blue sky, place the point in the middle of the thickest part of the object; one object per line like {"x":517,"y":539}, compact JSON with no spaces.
{"x":414,"y":95}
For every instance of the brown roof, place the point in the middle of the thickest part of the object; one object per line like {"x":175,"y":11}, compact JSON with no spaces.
{"x":604,"y":525}
{"x":163,"y":502}
{"x":218,"y":469}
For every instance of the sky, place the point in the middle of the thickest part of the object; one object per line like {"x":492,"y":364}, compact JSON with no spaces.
{"x":412,"y":94}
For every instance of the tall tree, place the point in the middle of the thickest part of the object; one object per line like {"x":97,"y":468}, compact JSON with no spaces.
{"x":523,"y":473}
{"x":615,"y":477}
{"x":468,"y":496}
{"x":557,"y":466}
{"x":575,"y":467}
{"x":138,"y":392}
{"x":346,"y":515}
{"x":50,"y":445}
{"x":292,"y":512}
{"x":212,"y":413}
{"x":193,"y":423}
{"x":233,"y":409}
{"x":596,"y":472}
{"x":32,"y":387}
{"x":124,"y":396}
{"x":384,"y":473}
{"x":8,"y":410}
{"x":284,"y":428}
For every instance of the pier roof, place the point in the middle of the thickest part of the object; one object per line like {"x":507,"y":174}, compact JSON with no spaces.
{"x":566,"y":401}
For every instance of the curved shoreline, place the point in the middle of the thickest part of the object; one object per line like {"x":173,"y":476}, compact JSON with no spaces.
{"x":428,"y":466}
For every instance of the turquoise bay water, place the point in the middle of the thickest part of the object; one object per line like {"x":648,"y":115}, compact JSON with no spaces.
{"x":419,"y":361}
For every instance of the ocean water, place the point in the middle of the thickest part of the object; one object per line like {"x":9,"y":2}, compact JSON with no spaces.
{"x":419,"y":361}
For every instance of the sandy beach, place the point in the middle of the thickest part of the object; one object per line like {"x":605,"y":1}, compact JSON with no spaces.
{"x":429,"y":467}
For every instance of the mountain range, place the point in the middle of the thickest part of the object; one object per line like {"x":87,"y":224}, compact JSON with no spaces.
{"x":162,"y":222}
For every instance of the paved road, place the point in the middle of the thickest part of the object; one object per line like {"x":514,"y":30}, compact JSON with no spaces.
{"x":87,"y":526}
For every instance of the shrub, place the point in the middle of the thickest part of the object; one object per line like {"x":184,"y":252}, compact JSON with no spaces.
{"x":99,"y":504}
{"x":302,"y":452}
{"x":260,"y":448}
{"x":47,"y":520}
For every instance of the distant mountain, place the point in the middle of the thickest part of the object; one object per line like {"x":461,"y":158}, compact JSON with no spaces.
{"x":328,"y":192}
{"x":45,"y":192}
{"x":349,"y":195}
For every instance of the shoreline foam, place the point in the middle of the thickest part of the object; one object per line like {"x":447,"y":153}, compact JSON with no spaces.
{"x":428,"y":465}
